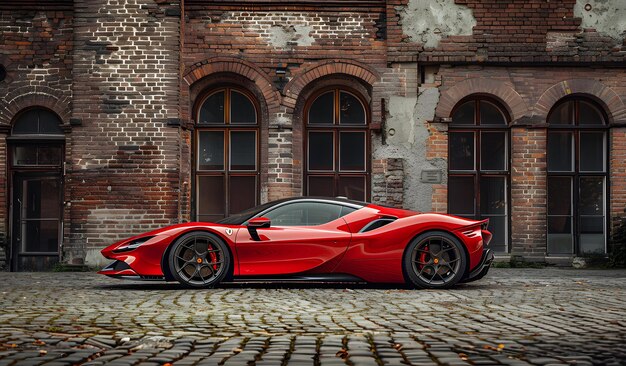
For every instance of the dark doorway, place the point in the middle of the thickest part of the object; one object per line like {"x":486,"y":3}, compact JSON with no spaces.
{"x":36,"y":225}
{"x":36,"y":149}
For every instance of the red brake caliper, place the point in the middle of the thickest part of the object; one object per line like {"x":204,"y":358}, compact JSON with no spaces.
{"x":423,"y":256}
{"x":213,"y":257}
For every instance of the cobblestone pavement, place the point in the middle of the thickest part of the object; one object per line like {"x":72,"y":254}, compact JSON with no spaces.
{"x":513,"y":317}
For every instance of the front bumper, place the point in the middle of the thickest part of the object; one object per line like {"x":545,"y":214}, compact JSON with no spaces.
{"x":483,"y":266}
{"x":121,"y":269}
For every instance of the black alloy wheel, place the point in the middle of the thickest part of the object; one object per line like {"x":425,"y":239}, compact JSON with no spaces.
{"x":435,"y":260}
{"x":199,"y":259}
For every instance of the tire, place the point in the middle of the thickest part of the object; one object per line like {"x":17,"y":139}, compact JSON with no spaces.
{"x":199,"y":260}
{"x":434,"y":260}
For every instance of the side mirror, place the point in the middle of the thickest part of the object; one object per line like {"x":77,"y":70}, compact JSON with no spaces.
{"x":258,"y":223}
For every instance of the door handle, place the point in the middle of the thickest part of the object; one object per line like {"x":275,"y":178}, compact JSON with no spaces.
{"x":19,"y":219}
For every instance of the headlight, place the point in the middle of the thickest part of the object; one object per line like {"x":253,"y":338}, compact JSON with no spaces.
{"x":134,"y":244}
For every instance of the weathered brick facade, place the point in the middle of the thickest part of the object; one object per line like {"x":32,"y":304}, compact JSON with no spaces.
{"x":127,"y":77}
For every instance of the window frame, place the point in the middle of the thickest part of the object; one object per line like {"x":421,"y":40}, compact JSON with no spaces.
{"x":575,"y":128}
{"x":226,"y":128}
{"x":336,"y":128}
{"x":477,"y":172}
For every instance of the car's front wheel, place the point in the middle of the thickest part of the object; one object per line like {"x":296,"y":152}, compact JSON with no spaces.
{"x":199,"y":259}
{"x":435,"y":260}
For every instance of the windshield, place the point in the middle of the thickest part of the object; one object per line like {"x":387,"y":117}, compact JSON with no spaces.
{"x":243,"y":216}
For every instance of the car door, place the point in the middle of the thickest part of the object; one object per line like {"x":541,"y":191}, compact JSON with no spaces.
{"x":304,"y":236}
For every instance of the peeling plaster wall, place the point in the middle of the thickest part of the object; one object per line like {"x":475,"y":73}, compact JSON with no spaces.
{"x":285,"y":30}
{"x":605,"y":16}
{"x":407,"y":138}
{"x":282,"y":36}
{"x":428,"y":21}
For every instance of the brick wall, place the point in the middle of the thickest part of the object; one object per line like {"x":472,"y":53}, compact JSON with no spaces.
{"x":123,"y":73}
{"x":617,"y":206}
{"x":528,"y":192}
{"x":36,"y":52}
{"x":125,"y":169}
{"x":525,"y":31}
{"x":4,"y":228}
{"x":388,"y":182}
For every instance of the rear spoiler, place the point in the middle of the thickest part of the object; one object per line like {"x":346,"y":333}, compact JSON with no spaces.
{"x":484,"y":224}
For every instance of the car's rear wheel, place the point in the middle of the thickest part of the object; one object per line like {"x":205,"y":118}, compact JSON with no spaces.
{"x":199,"y":259}
{"x":435,"y":260}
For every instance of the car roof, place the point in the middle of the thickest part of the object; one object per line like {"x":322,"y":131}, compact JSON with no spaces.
{"x":340,"y":200}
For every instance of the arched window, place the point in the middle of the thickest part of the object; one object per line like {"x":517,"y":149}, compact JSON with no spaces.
{"x":34,"y":135}
{"x":478,"y":177}
{"x":577,"y":178}
{"x":227,"y":154}
{"x":337,"y":145}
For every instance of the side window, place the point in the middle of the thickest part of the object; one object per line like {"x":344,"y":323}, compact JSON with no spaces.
{"x":304,"y":214}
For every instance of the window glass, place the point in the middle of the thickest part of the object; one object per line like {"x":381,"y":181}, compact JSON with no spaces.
{"x":461,"y":195}
{"x":560,"y":152}
{"x":563,"y":114}
{"x":351,"y":110}
{"x":560,"y":239}
{"x":211,"y":150}
{"x":37,"y":121}
{"x":592,"y":152}
{"x":211,"y":198}
{"x":242,"y":110}
{"x":490,"y":114}
{"x":345,"y":210}
{"x":591,"y":200}
{"x":322,"y":110}
{"x":25,"y":155}
{"x":321,"y":151}
{"x":42,"y":200}
{"x":242,"y":193}
{"x":212,"y":110}
{"x":461,"y":151}
{"x":323,"y":186}
{"x":49,"y":155}
{"x":352,"y":151}
{"x":41,"y":236}
{"x":464,"y":114}
{"x":37,"y":155}
{"x":304,"y":214}
{"x":588,"y":114}
{"x":493,"y":195}
{"x":559,"y":196}
{"x":27,"y":123}
{"x":352,"y":187}
{"x":592,"y":234}
{"x":493,"y":151}
{"x":243,"y":150}
{"x":49,"y":123}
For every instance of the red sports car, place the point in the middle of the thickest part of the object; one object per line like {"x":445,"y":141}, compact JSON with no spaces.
{"x":311,"y":238}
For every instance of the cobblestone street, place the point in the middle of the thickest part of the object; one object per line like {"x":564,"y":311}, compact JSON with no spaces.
{"x":513,"y":317}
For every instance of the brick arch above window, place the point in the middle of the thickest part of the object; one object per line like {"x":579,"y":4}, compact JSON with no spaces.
{"x":503,"y":92}
{"x":20,"y":99}
{"x":608,"y":99}
{"x":218,"y":65}
{"x":323,"y":69}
